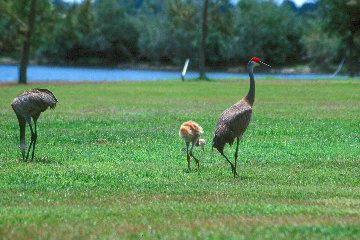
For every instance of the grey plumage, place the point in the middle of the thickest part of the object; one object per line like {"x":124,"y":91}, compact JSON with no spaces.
{"x":234,"y":121}
{"x":30,"y":104}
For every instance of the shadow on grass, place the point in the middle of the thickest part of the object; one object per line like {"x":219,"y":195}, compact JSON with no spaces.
{"x":199,"y":80}
{"x":192,"y":170}
{"x":40,"y":160}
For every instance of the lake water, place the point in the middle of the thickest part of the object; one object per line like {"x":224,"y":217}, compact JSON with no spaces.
{"x":9,"y":73}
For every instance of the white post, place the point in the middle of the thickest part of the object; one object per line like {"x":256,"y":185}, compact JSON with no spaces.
{"x":185,"y":69}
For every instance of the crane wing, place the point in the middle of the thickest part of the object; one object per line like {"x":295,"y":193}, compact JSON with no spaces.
{"x":237,"y":118}
{"x":33,"y":101}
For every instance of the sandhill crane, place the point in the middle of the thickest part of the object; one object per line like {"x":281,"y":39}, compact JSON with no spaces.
{"x":29,"y":104}
{"x":190,"y":131}
{"x":234,"y":120}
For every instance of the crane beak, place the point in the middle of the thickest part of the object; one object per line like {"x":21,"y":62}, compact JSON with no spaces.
{"x":265,"y":64}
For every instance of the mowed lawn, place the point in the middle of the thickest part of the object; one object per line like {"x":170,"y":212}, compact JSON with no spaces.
{"x":109,"y":164}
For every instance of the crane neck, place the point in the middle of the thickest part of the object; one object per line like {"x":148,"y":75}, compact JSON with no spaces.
{"x":250,"y":97}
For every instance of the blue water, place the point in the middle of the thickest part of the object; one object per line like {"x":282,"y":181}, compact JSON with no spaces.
{"x":9,"y":73}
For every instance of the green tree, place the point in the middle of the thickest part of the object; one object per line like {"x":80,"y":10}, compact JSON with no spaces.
{"x":25,"y":50}
{"x":9,"y":36}
{"x":220,"y":32}
{"x":93,"y":32}
{"x":202,"y":56}
{"x":321,"y":50}
{"x":169,"y":35}
{"x":341,"y":18}
{"x":268,"y":31}
{"x":84,"y":25}
{"x":23,"y":13}
{"x":116,"y":32}
{"x":174,"y":33}
{"x":26,"y":15}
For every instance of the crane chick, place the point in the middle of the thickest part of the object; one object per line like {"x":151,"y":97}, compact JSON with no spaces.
{"x":30,"y":104}
{"x":190,"y":131}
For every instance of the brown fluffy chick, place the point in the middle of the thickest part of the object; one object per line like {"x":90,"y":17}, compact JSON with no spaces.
{"x":190,"y":131}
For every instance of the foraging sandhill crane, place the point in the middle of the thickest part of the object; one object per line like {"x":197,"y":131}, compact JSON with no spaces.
{"x":234,"y":120}
{"x":190,"y":131}
{"x":29,"y":104}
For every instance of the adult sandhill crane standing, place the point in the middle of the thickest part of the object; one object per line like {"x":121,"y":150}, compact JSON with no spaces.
{"x":234,"y":120}
{"x":190,"y":131}
{"x":29,"y":104}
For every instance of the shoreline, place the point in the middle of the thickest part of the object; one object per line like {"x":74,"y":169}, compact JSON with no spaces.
{"x":298,"y":69}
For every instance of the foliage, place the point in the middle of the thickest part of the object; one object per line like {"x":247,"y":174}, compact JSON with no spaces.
{"x":92,"y":33}
{"x":230,"y":33}
{"x":220,"y":32}
{"x":7,"y":42}
{"x":321,"y":49}
{"x":268,"y":31}
{"x":24,"y":15}
{"x":13,"y":23}
{"x":168,"y":32}
{"x":109,"y":163}
{"x":115,"y":33}
{"x":170,"y":35}
{"x":342,"y":19}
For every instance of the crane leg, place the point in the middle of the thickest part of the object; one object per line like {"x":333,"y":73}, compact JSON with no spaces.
{"x":192,"y":155}
{"x":187,"y":155}
{"x":35,"y":137}
{"x":27,"y":155}
{"x":22,"y":153}
{"x":22,"y":124}
{"x":232,"y":165}
{"x":236,"y":154}
{"x":28,"y":120}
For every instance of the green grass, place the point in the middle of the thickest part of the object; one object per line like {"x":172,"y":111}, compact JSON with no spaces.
{"x":109,"y":164}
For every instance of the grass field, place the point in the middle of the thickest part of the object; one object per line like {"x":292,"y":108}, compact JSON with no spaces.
{"x":109,"y":164}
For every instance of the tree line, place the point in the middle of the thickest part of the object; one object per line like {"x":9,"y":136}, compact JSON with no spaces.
{"x":110,"y":32}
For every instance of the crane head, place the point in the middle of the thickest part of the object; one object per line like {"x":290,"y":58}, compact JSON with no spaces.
{"x":257,"y":62}
{"x":200,"y":143}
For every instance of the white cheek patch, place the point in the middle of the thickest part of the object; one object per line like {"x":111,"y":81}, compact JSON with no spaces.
{"x":255,"y":63}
